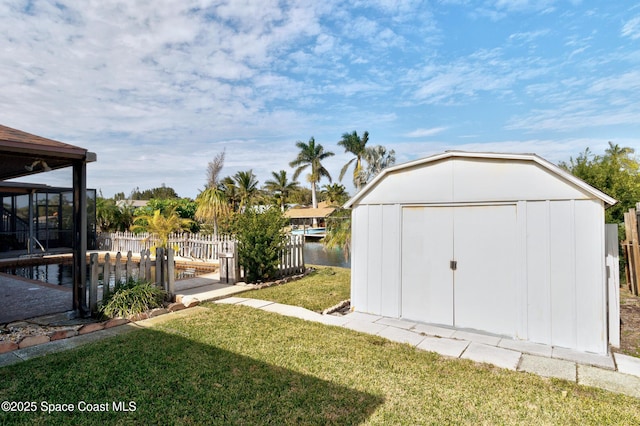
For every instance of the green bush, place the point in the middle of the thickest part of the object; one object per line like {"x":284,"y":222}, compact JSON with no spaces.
{"x":131,"y":298}
{"x":261,"y":239}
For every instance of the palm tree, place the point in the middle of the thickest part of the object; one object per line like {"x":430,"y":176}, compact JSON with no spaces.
{"x":377,"y":159}
{"x":212,"y":204}
{"x":311,"y":155}
{"x":355,"y":145}
{"x":281,"y":186}
{"x":230,"y":190}
{"x":247,"y":185}
{"x":161,"y":225}
{"x":336,"y":193}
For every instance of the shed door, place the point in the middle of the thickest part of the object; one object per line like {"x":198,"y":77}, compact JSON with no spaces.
{"x":477,"y":290}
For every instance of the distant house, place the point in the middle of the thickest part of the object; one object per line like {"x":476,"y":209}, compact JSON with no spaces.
{"x":132,"y":203}
{"x":304,"y":216}
{"x":508,"y":244}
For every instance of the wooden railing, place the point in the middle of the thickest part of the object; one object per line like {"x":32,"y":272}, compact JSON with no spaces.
{"x":631,"y":250}
{"x":201,"y":247}
{"x":116,"y":270}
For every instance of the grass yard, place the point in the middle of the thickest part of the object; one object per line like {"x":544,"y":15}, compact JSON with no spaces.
{"x":319,"y":290}
{"x":238,"y":365}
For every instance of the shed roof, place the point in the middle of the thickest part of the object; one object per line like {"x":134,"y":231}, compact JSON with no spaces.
{"x":533,"y":158}
{"x":23,"y":154}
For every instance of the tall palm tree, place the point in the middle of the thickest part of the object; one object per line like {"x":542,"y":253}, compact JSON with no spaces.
{"x":247,"y":185}
{"x":212,"y":205}
{"x":212,"y":202}
{"x":230,"y":190}
{"x":281,"y":186}
{"x":354,"y":144}
{"x":377,"y":158}
{"x":311,"y":155}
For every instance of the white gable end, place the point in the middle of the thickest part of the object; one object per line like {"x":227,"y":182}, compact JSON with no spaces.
{"x":460,"y":180}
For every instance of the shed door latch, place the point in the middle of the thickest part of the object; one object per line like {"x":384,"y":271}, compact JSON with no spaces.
{"x":453,"y":264}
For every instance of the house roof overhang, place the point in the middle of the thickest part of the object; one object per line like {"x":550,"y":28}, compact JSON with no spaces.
{"x":550,"y":167}
{"x":23,"y":154}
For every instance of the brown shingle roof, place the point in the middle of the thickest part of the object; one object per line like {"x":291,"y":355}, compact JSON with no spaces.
{"x":23,"y":153}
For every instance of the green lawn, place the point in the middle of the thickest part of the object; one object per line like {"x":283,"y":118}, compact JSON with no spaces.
{"x":238,"y":365}
{"x":319,"y":290}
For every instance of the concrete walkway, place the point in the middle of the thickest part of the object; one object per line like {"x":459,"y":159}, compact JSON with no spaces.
{"x":614,"y":372}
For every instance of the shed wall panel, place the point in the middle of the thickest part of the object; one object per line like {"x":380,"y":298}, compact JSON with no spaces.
{"x":590,"y":291}
{"x":360,"y":248}
{"x":491,"y":180}
{"x":427,"y":184}
{"x":374,"y":259}
{"x":538,"y":273}
{"x":562,"y":272}
{"x":390,"y":263}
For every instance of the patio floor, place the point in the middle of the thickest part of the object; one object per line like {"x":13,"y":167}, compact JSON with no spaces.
{"x":22,"y":299}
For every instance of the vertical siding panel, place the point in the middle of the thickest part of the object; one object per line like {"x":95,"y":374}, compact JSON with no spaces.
{"x":359,"y":225}
{"x":390,"y":265}
{"x":590,"y":288}
{"x":374,"y":259}
{"x":538,"y":273}
{"x":521,"y":290}
{"x":562,"y":261}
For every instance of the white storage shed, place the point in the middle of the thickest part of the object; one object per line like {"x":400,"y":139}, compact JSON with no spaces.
{"x":508,"y":244}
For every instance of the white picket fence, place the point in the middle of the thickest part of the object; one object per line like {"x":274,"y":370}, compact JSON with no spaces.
{"x":201,"y":247}
{"x":196,"y":246}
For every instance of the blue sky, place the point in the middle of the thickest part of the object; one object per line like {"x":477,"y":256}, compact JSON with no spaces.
{"x":158,"y":88}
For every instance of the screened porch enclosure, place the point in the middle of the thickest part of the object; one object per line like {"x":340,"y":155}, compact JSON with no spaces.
{"x":38,"y":219}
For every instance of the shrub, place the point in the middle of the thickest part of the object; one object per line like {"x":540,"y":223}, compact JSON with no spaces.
{"x":261,"y":239}
{"x":131,"y":298}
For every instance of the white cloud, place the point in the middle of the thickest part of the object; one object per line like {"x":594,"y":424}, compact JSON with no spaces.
{"x":631,"y":28}
{"x":421,"y":133}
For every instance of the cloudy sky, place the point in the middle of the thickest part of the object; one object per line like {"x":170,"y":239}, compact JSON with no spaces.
{"x":157,"y":88}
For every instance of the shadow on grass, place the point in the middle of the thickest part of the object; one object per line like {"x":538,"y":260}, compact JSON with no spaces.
{"x":175,"y":380}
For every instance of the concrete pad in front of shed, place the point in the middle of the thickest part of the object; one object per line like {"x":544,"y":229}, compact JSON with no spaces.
{"x":628,"y":364}
{"x":503,"y":358}
{"x":443,"y":346}
{"x":603,"y":361}
{"x":401,"y":336}
{"x":487,"y":339}
{"x":361,"y":316}
{"x":548,"y":367}
{"x":292,"y":311}
{"x":526,"y":347}
{"x":333,"y":320}
{"x":613,"y":381}
{"x":433,"y":330}
{"x":364,"y":326}
{"x":398,"y":323}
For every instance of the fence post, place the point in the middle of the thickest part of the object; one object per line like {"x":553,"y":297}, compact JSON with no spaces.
{"x":159,"y":270}
{"x":93,"y":282}
{"x":106,"y":275}
{"x":117,"y":276}
{"x":171,"y":274}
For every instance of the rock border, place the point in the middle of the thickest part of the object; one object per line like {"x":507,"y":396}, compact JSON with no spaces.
{"x":65,"y":332}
